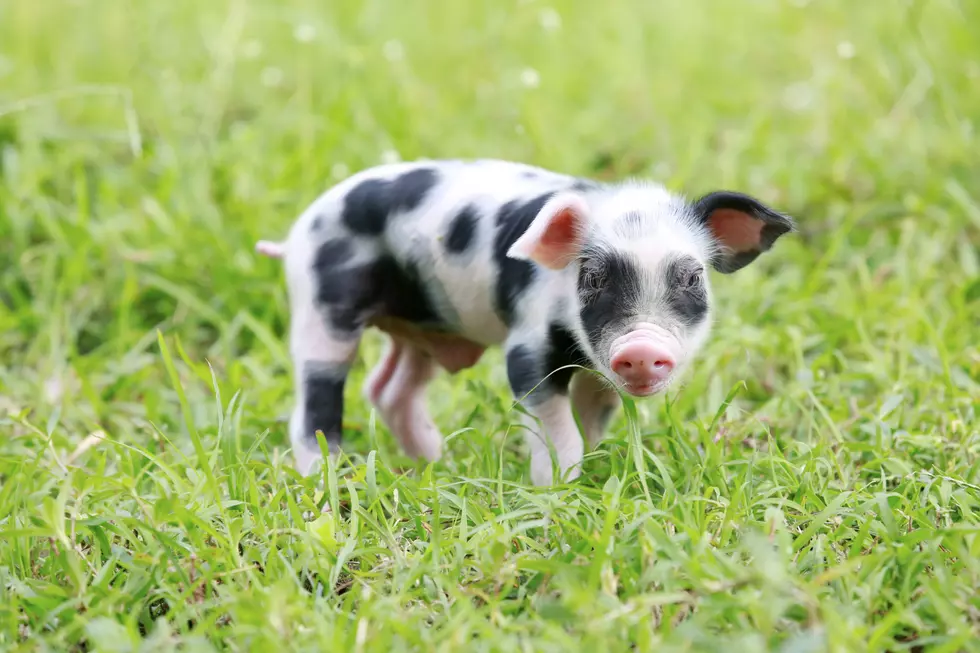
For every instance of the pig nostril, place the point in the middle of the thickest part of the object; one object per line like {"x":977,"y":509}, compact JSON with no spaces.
{"x":626,"y":365}
{"x":661,"y":364}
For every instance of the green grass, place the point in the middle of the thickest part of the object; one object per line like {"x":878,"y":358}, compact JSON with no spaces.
{"x":147,"y":500}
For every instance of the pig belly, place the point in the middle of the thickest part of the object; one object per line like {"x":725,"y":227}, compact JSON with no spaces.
{"x":451,"y":352}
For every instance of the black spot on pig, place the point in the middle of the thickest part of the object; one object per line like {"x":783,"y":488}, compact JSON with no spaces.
{"x":530,"y":174}
{"x":462,"y":230}
{"x":368,"y":205}
{"x":316,"y":223}
{"x":544,"y":371}
{"x":523,"y":370}
{"x":562,"y":350}
{"x":350,"y":295}
{"x":514,"y":276}
{"x":609,"y":293}
{"x":347,"y":297}
{"x":344,"y":319}
{"x":342,"y":291}
{"x":408,"y":190}
{"x":324,"y":402}
{"x":401,"y":293}
{"x":334,"y":282}
{"x":686,"y":298}
{"x":332,"y":254}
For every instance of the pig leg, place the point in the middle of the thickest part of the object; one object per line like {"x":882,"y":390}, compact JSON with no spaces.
{"x":557,"y":427}
{"x":595,"y":402}
{"x":545,"y":396}
{"x":402,"y":401}
{"x":321,"y":361}
{"x":381,"y":375}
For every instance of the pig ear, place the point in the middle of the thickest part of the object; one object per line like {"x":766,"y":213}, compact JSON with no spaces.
{"x":556,"y":235}
{"x":742,"y":227}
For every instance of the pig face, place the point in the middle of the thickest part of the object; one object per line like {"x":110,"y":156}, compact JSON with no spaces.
{"x":639,"y":259}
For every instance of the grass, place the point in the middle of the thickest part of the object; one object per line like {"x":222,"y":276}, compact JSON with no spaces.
{"x":814,"y":486}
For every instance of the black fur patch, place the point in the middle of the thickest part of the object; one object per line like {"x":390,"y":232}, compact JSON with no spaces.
{"x":344,"y":292}
{"x":350,"y":295}
{"x":462,"y":230}
{"x":401,"y":293}
{"x":523,"y":370}
{"x":380,"y":288}
{"x":368,"y":205}
{"x":687,"y":298}
{"x":539,"y":370}
{"x":316,"y":223}
{"x":350,"y":303}
{"x":609,"y":292}
{"x":329,"y":258}
{"x":562,"y":350}
{"x":514,"y":276}
{"x":324,"y":402}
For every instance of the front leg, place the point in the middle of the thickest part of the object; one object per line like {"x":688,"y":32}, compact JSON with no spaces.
{"x":594,"y":401}
{"x":557,"y":427}
{"x":544,"y":394}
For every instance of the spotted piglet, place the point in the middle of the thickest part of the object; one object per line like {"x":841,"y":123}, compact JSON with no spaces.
{"x":451,"y":257}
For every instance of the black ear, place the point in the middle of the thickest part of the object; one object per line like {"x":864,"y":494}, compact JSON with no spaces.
{"x":742,"y":226}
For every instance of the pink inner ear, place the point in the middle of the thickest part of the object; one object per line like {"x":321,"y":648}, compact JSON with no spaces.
{"x":560,"y":241}
{"x":737,"y":230}
{"x":561,"y":232}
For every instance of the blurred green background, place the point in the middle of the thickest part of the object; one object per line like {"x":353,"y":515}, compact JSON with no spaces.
{"x":145,"y":147}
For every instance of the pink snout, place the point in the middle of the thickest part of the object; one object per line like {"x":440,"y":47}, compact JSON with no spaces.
{"x":643,"y":364}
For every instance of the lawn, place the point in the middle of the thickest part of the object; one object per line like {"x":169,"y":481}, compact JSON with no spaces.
{"x":814,"y":485}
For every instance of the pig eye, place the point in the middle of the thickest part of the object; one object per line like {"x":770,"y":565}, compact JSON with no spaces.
{"x":685,"y":274}
{"x":692,"y":279}
{"x":592,"y":280}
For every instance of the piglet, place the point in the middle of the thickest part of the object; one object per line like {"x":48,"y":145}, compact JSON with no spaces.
{"x":451,"y":257}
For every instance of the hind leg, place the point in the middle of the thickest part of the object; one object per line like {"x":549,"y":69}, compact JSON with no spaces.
{"x":397,"y":389}
{"x":322,"y":356}
{"x":381,"y":375}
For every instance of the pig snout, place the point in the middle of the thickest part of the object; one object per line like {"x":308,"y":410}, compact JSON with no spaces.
{"x":643,"y":361}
